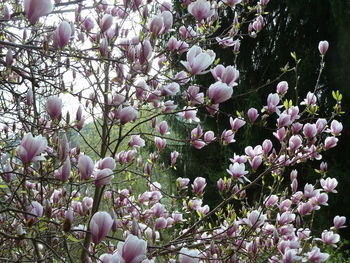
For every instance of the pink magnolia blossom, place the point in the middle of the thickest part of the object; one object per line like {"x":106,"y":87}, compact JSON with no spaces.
{"x":336,"y":127}
{"x":107,"y":162}
{"x":209,"y":136}
{"x":252,"y":114}
{"x":256,"y":162}
{"x":339,"y":221}
{"x":310,"y":99}
{"x":228,"y":137}
{"x":310,"y":130}
{"x":272,"y":102}
{"x":127,"y":114}
{"x":103,"y":177}
{"x":295,"y":143}
{"x":282,"y":87}
{"x":236,"y":124}
{"x":330,"y":142}
{"x":329,"y":184}
{"x":35,"y":9}
{"x":136,"y":141}
{"x":103,"y":47}
{"x":227,"y":75}
{"x":9,"y":58}
{"x":280,"y":134}
{"x":323,"y":47}
{"x":100,"y":225}
{"x":330,"y":238}
{"x":182,"y":183}
{"x":237,"y":170}
{"x":30,"y":148}
{"x":63,"y":34}
{"x":54,"y":107}
{"x":85,"y":166}
{"x":132,"y":250}
{"x":198,"y":185}
{"x":106,"y":22}
{"x":163,"y":127}
{"x":190,"y":114}
{"x":160,"y":143}
{"x":200,"y":9}
{"x":63,"y":173}
{"x":321,"y":125}
{"x":315,"y":255}
{"x":156,"y":25}
{"x":36,"y":209}
{"x":88,"y":24}
{"x":173,"y":157}
{"x":167,"y":21}
{"x":255,"y":219}
{"x":198,"y":60}
{"x":219,"y":92}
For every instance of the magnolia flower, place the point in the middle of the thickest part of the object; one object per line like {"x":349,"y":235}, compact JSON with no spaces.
{"x":36,"y":209}
{"x":63,"y":173}
{"x":107,"y":162}
{"x":219,"y":92}
{"x":227,"y":75}
{"x":282,"y":87}
{"x":103,"y":177}
{"x":88,"y":24}
{"x":63,"y":34}
{"x":173,"y":157}
{"x":339,"y":221}
{"x":30,"y":147}
{"x":329,"y":184}
{"x":309,"y":100}
{"x":35,"y":9}
{"x":200,"y":9}
{"x":85,"y":166}
{"x":236,"y":124}
{"x":127,"y":114}
{"x":9,"y":57}
{"x":315,"y":255}
{"x":237,"y":170}
{"x":272,"y":102}
{"x":255,"y":219}
{"x":198,"y":185}
{"x":133,"y":250}
{"x":252,"y":114}
{"x":100,"y":224}
{"x":106,"y":22}
{"x":323,"y":47}
{"x":182,"y":183}
{"x":190,"y":114}
{"x":198,"y":60}
{"x":156,"y":25}
{"x":136,"y":141}
{"x":329,"y":238}
{"x":336,"y":127}
{"x":54,"y":107}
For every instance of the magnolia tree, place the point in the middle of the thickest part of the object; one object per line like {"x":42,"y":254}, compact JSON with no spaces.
{"x":124,"y":68}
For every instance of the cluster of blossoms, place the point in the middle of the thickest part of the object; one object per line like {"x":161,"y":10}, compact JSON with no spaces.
{"x":65,"y":204}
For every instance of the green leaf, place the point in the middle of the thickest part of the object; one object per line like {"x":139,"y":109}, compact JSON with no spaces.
{"x":73,"y":238}
{"x":2,"y":186}
{"x":294,"y":55}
